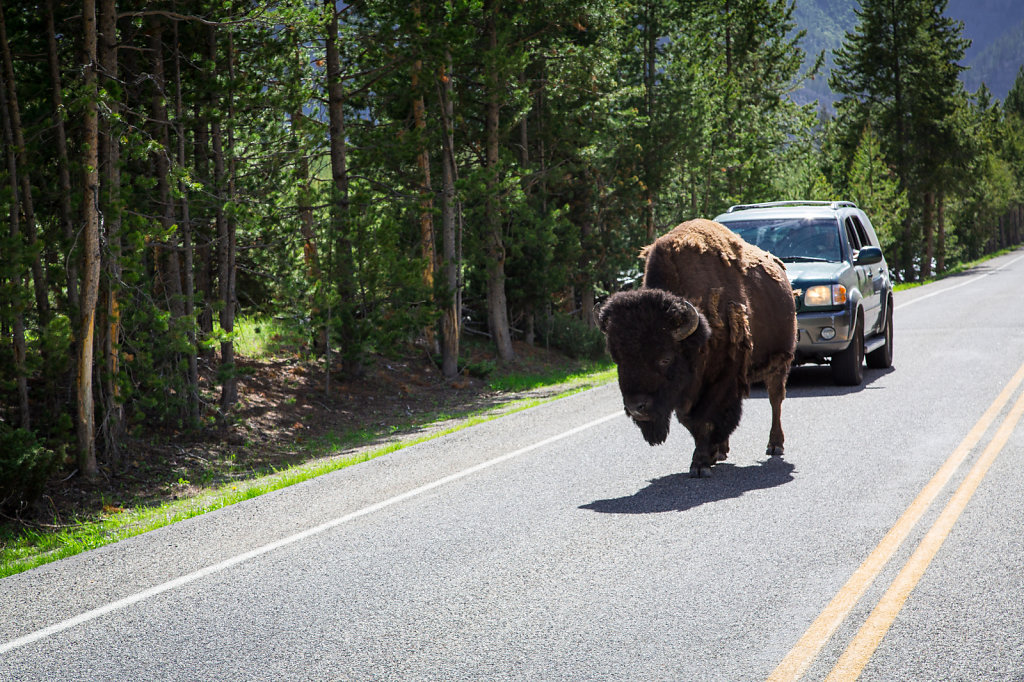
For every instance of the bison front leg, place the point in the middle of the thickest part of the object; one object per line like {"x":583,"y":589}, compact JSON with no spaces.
{"x":700,"y":465}
{"x":711,"y":448}
{"x":711,"y":424}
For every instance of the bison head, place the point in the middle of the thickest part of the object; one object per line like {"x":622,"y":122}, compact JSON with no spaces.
{"x":656,"y":339}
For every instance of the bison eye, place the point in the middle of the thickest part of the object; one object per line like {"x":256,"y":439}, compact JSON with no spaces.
{"x":665,"y":361}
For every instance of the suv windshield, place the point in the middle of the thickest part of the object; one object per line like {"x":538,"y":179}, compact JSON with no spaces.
{"x":792,"y":239}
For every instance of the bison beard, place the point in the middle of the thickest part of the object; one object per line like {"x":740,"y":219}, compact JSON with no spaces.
{"x":655,"y":429}
{"x":689,"y":342}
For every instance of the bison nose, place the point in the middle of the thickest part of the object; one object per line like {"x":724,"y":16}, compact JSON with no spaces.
{"x":639,"y":406}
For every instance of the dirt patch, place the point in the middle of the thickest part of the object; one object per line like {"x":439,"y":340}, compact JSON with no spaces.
{"x":285,"y":416}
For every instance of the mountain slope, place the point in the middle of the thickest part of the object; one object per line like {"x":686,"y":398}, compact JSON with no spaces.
{"x":995,"y":28}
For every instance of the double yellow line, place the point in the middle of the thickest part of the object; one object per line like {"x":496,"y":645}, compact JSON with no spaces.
{"x":870,"y":635}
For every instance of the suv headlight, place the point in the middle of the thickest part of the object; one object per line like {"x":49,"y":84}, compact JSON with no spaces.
{"x":824,"y":294}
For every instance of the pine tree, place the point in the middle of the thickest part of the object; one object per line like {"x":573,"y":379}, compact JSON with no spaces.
{"x":898,"y":71}
{"x":1011,"y":140}
{"x":1013,"y":105}
{"x":985,"y":188}
{"x":875,"y":188}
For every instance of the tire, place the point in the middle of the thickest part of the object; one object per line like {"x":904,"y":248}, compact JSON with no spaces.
{"x":881,"y":358}
{"x":848,"y":365}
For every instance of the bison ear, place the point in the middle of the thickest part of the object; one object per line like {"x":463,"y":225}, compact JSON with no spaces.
{"x":686,"y":319}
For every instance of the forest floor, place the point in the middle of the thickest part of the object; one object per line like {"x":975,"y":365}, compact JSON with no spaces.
{"x":284,"y":418}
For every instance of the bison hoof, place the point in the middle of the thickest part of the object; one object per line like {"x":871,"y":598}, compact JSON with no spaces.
{"x":697,"y":471}
{"x":774,"y":451}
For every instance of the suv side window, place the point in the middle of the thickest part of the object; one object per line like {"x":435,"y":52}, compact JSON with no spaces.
{"x":852,"y":237}
{"x":872,"y":239}
{"x":861,"y":232}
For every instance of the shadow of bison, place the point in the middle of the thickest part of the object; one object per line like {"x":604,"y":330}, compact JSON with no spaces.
{"x":669,"y":493}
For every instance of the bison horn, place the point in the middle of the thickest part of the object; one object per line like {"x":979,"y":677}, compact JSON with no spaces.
{"x":688,"y":323}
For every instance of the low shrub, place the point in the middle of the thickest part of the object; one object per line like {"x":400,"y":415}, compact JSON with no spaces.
{"x":25,"y":464}
{"x":571,"y":335}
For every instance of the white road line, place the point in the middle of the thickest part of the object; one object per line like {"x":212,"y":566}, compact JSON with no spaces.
{"x":291,"y":539}
{"x":957,"y":286}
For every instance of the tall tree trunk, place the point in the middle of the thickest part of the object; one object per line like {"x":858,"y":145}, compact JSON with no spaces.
{"x":529,"y":333}
{"x":905,"y":256}
{"x":192,"y":400}
{"x":427,"y":239}
{"x":86,"y":423}
{"x":344,"y":256}
{"x":427,"y":250}
{"x":1015,"y":223}
{"x":650,"y":74}
{"x":310,"y":254}
{"x":203,"y":232}
{"x":586,"y":285}
{"x":494,"y":246}
{"x":231,"y":297}
{"x":110,"y":161}
{"x":24,"y":176}
{"x":450,"y":313}
{"x":304,"y":194}
{"x":224,"y":181}
{"x":63,"y":168}
{"x":307,"y":224}
{"x":928,"y":225}
{"x":20,"y":371}
{"x":729,"y":90}
{"x":524,"y":129}
{"x":169,"y":256}
{"x":941,"y":229}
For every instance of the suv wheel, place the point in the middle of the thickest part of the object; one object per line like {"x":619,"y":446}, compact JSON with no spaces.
{"x":881,"y":358}
{"x":848,"y":365}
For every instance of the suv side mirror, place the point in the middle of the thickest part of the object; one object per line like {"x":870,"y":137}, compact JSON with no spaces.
{"x":869,"y":255}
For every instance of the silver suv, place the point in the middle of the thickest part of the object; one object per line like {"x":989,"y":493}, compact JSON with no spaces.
{"x":840,"y":280}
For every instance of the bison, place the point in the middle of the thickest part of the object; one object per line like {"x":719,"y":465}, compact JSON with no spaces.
{"x":714,"y":314}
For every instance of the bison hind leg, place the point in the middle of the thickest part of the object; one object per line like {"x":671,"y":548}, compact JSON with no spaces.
{"x":775,"y":382}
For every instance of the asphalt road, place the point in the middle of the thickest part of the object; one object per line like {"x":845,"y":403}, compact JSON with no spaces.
{"x":554,"y":544}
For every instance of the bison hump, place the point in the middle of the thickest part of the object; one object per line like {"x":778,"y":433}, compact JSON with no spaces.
{"x":701,"y":236}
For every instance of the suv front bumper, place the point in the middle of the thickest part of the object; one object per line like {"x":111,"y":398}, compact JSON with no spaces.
{"x":810,"y":345}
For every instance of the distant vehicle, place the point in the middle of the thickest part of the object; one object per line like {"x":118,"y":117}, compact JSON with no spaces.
{"x":839,"y":276}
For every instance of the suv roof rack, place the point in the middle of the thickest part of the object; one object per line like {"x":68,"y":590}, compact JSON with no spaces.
{"x":797,"y":202}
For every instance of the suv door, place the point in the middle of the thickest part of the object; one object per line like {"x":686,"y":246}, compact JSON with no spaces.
{"x":870,"y":294}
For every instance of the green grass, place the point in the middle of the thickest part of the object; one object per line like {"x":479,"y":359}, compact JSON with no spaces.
{"x":261,"y":337}
{"x":29,"y":548}
{"x":602,"y":370}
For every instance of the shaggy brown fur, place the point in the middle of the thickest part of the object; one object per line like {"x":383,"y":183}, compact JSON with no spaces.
{"x":745,"y":331}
